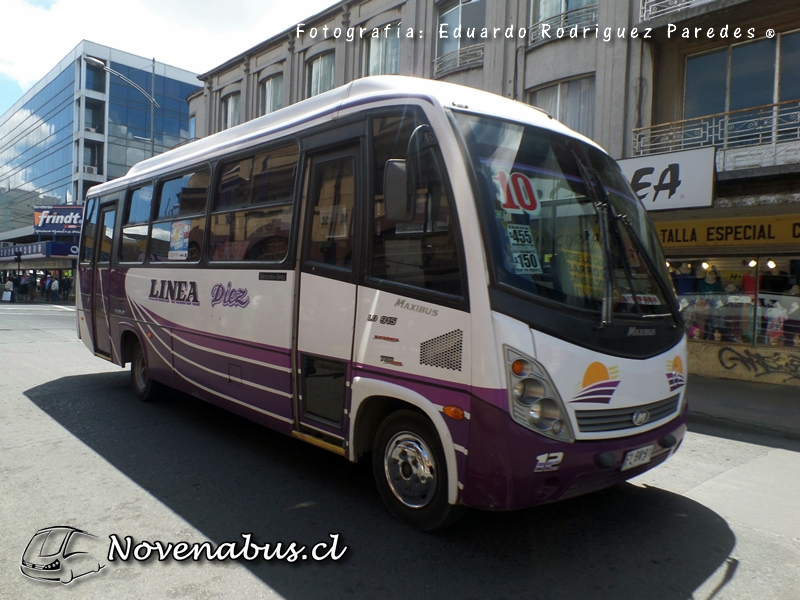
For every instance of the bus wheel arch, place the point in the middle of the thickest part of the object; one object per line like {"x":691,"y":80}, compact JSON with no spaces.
{"x":373,"y":401}
{"x":410,"y":470}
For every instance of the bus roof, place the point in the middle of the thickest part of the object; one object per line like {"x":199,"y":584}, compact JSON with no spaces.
{"x":360,"y":92}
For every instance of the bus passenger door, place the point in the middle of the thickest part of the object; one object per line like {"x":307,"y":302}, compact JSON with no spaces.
{"x":101,"y":279}
{"x":327,"y":298}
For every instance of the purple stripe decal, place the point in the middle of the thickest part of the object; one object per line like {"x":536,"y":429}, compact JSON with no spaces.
{"x":598,"y":392}
{"x":252,"y":350}
{"x":269,"y":404}
{"x":190,"y":359}
{"x":440,"y":393}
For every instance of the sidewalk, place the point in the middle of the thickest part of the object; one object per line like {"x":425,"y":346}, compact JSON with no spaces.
{"x":756,"y":407}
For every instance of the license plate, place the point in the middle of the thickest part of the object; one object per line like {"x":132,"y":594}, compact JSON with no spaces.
{"x":634,"y":458}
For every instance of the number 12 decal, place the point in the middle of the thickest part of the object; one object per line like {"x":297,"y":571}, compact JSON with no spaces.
{"x":548,"y":462}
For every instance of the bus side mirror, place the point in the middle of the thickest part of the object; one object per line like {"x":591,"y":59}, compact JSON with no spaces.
{"x":398,"y":203}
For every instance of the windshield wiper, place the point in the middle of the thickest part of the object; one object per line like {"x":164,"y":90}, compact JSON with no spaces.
{"x":601,"y":209}
{"x":674,"y":311}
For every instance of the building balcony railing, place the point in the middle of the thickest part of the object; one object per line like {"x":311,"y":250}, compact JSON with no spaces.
{"x":650,"y":9}
{"x":547,"y":30}
{"x":751,"y":137}
{"x":463,"y":58}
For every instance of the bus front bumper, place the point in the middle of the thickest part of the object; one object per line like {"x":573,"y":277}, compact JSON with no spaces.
{"x":510,"y":467}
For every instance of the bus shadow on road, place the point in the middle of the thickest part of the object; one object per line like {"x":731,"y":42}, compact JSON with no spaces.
{"x":226,"y":476}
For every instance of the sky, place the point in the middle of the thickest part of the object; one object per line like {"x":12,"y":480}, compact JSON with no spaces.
{"x":196,"y":35}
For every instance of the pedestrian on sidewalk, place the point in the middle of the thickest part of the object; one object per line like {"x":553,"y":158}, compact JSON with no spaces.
{"x":16,"y":280}
{"x":66,"y":288}
{"x":54,"y":290}
{"x":9,"y":287}
{"x":23,"y":288}
{"x":32,"y":286}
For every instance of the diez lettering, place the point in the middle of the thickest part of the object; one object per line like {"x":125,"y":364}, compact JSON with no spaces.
{"x":402,"y":303}
{"x":229,"y":296}
{"x":518,"y":196}
{"x":176,"y":292}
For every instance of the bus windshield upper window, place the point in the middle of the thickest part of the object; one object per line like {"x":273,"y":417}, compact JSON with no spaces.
{"x":545,"y":232}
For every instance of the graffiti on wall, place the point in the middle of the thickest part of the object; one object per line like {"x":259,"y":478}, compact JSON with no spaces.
{"x":761,"y":364}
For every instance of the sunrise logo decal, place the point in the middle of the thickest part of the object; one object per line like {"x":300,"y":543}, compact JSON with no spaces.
{"x":675,"y":374}
{"x":599,"y":384}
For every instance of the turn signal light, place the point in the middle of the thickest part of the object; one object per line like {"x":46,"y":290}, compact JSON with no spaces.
{"x":454,"y":412}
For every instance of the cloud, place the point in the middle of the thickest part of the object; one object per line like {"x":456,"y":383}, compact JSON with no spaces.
{"x":196,"y":35}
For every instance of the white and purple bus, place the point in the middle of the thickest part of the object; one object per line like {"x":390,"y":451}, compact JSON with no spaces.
{"x":441,"y":277}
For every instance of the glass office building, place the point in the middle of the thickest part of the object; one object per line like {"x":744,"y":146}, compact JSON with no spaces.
{"x":96,"y":114}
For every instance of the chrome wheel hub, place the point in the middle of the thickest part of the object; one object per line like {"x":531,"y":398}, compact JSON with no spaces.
{"x":410,"y":469}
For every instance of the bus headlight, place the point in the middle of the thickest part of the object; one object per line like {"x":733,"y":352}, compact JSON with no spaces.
{"x":534,"y":400}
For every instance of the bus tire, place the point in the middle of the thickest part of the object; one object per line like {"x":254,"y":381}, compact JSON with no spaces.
{"x":411,"y":473}
{"x":145,"y":388}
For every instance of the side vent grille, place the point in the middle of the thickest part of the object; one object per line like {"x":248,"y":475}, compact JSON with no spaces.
{"x":443,"y":351}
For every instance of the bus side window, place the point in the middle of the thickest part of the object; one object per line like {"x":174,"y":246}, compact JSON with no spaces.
{"x":89,"y":230}
{"x":135,"y":219}
{"x":251,"y":218}
{"x":177,"y":235}
{"x":423,"y":252}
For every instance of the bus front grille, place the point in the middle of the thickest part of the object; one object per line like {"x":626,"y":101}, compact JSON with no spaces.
{"x":592,"y":421}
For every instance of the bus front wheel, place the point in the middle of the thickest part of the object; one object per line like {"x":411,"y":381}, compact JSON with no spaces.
{"x":410,"y":470}
{"x":145,"y":388}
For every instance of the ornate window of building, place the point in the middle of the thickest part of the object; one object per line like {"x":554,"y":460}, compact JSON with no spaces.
{"x":270,"y":94}
{"x":229,"y":111}
{"x":319,"y":74}
{"x":743,"y":94}
{"x":458,"y":34}
{"x":570,"y":101}
{"x":382,"y":53}
{"x":547,"y":16}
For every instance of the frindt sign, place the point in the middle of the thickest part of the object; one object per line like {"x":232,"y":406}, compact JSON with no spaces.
{"x":672,"y":180}
{"x":57,"y":219}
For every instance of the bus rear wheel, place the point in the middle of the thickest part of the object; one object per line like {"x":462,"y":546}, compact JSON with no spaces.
{"x":145,"y":388}
{"x":410,"y":471}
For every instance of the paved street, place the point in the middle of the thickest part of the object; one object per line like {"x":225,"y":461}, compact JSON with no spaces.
{"x":718,"y":521}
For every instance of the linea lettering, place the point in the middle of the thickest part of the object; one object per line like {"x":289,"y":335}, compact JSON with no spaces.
{"x":176,"y":292}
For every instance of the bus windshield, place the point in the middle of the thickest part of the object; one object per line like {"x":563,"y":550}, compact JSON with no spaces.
{"x":563,"y":223}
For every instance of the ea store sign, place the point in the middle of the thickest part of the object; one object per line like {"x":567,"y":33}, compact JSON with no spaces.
{"x":672,"y":180}
{"x":57,"y":219}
